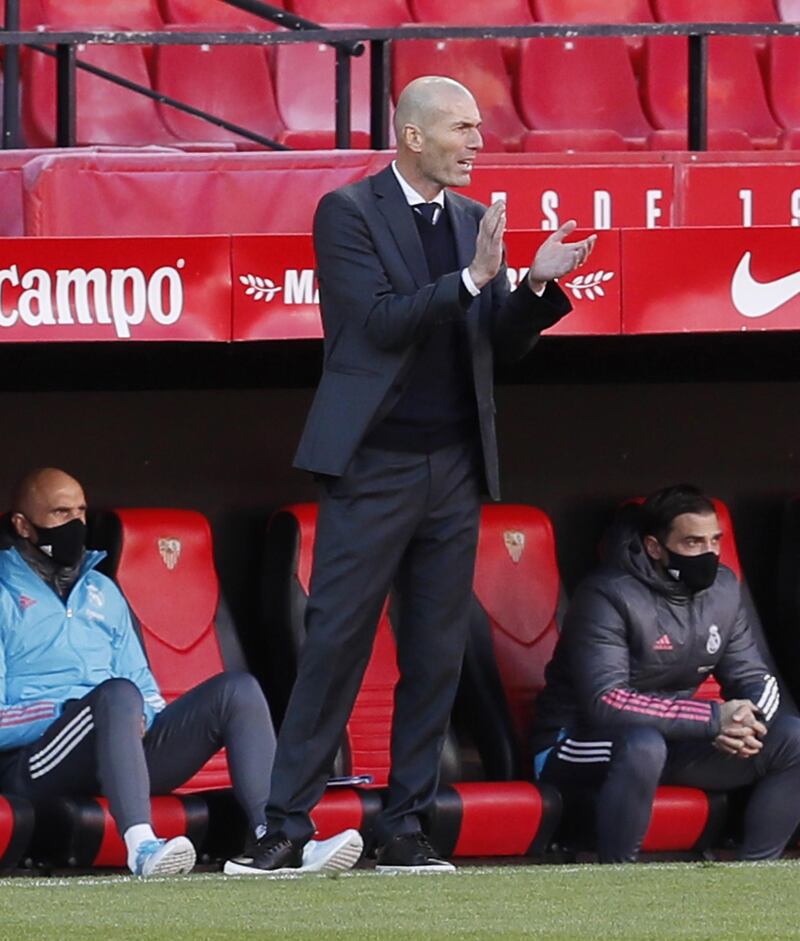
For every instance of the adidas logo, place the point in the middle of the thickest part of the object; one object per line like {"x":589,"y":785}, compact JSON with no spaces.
{"x":663,"y":643}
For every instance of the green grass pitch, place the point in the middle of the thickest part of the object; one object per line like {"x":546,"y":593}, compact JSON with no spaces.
{"x":651,"y":902}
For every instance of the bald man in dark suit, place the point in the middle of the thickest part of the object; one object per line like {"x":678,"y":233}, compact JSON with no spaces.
{"x":401,"y":435}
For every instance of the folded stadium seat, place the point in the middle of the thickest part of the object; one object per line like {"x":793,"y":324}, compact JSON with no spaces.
{"x":597,"y":11}
{"x":580,"y":84}
{"x":736,"y":96}
{"x":476,"y":63}
{"x":16,"y":827}
{"x":783,"y":85}
{"x":388,"y":13}
{"x":476,"y":13}
{"x":230,"y":82}
{"x":68,"y":14}
{"x":30,"y":14}
{"x":716,"y":139}
{"x":163,"y":562}
{"x":304,"y":76}
{"x":570,"y":142}
{"x":514,"y":627}
{"x":718,"y":11}
{"x":185,"y":12}
{"x":106,"y":113}
{"x":474,"y":818}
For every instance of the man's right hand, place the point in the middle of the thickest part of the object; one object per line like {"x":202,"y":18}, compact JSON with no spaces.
{"x":740,"y":729}
{"x":489,"y":245}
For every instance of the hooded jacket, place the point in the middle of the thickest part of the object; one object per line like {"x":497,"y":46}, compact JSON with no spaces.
{"x":54,"y":649}
{"x":635,"y":647}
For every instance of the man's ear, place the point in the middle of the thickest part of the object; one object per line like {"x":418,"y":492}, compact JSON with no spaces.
{"x":652,"y":547}
{"x":412,"y":138}
{"x":22,"y":526}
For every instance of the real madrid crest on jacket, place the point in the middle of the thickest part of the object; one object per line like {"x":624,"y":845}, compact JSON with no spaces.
{"x":630,"y":632}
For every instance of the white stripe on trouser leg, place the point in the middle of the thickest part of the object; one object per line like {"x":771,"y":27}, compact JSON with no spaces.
{"x":583,"y":744}
{"x":586,"y":760}
{"x":53,"y":757}
{"x":77,"y":719}
{"x":586,"y":752}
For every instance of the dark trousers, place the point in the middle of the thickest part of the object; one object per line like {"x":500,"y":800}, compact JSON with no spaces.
{"x":96,"y":747}
{"x":626,"y":766}
{"x":394,"y":519}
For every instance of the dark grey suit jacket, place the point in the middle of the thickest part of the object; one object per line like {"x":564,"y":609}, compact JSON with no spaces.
{"x":378,"y":304}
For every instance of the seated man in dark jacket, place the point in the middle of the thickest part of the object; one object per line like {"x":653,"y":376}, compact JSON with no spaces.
{"x":617,"y":712}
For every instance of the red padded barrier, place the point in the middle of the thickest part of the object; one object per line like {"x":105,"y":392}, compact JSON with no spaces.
{"x":166,"y":571}
{"x":498,"y":819}
{"x":174,"y":194}
{"x":169,"y":820}
{"x":579,"y":83}
{"x":517,"y":583}
{"x":680,"y":816}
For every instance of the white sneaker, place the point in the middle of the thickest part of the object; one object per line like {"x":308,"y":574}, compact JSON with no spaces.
{"x":165,"y":857}
{"x":336,"y":854}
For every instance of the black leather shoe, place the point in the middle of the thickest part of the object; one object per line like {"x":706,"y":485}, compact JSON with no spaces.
{"x":411,"y":852}
{"x":273,"y":855}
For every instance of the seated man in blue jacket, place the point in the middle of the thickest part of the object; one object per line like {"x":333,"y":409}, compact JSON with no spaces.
{"x":80,"y":711}
{"x":617,"y":712}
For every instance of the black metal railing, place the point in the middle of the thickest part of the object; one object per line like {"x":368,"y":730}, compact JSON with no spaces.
{"x":347,"y":43}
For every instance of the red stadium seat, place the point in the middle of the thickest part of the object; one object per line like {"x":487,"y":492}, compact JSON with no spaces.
{"x":513,"y":632}
{"x":715,"y":11}
{"x":305,"y":94}
{"x":16,"y":827}
{"x":388,"y":13}
{"x":783,"y":79}
{"x":580,"y":84}
{"x":106,"y":113}
{"x":185,"y":12}
{"x":736,"y":97}
{"x":729,"y":139}
{"x":230,"y":82}
{"x":718,"y":11}
{"x":130,"y":14}
{"x":137,"y":193}
{"x":476,"y":63}
{"x":475,"y":819}
{"x":30,"y":14}
{"x":596,"y":11}
{"x":472,"y":12}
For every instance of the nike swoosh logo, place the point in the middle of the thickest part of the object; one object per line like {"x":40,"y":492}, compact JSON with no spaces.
{"x":757,"y":298}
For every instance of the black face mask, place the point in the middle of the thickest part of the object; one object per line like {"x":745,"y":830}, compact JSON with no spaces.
{"x":695,"y":571}
{"x":63,"y":544}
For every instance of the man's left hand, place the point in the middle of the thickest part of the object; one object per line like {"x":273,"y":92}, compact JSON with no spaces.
{"x":556,"y":258}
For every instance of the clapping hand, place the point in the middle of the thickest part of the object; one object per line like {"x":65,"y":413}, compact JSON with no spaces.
{"x":556,"y":258}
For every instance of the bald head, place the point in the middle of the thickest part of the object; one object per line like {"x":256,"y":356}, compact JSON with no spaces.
{"x":422,"y":101}
{"x":437,"y":125}
{"x":46,"y":497}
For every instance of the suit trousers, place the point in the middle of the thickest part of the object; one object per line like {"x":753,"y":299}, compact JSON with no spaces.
{"x":396,"y":520}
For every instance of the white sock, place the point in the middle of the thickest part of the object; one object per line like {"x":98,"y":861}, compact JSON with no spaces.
{"x":134,"y":837}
